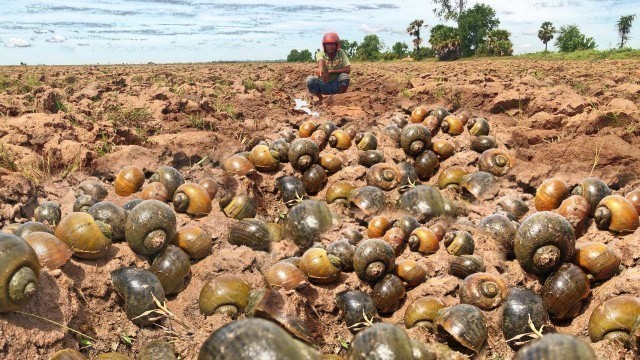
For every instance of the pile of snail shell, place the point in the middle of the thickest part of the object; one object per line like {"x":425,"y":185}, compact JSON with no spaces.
{"x":402,"y":215}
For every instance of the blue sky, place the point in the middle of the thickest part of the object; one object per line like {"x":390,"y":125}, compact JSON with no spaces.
{"x":139,"y":31}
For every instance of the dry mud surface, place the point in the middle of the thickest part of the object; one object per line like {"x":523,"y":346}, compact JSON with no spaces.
{"x":62,"y":125}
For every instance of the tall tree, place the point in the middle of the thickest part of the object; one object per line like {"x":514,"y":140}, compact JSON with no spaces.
{"x":414,"y":30}
{"x":400,"y":49}
{"x":546,"y":33}
{"x":474,"y":26}
{"x":624,"y":28}
{"x":370,"y":48}
{"x":349,"y":47}
{"x":449,"y":9}
{"x":571,"y":39}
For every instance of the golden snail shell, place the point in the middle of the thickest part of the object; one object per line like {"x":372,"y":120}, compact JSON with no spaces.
{"x":129,"y":180}
{"x":20,"y":272}
{"x":616,"y":213}
{"x":550,"y":194}
{"x":192,"y":199}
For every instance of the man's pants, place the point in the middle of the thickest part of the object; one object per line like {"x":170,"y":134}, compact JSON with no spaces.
{"x":317,"y":86}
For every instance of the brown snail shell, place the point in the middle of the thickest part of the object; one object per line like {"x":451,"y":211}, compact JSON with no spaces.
{"x":597,"y":259}
{"x":83,"y":203}
{"x":614,"y":319}
{"x":140,"y":290}
{"x":513,"y":205}
{"x":276,"y":230}
{"x":67,"y":354}
{"x":303,"y":153}
{"x":118,"y":356}
{"x":478,"y":126}
{"x":415,"y":139}
{"x":194,"y":241}
{"x":306,"y":129}
{"x":320,"y":138}
{"x":51,"y":251}
{"x":408,"y":177}
{"x":393,"y":132}
{"x":31,"y":227}
{"x":384,"y":176}
{"x":465,"y":323}
{"x":484,"y":290}
{"x":410,"y":272}
{"x":264,"y":159}
{"x":443,"y":148}
{"x":84,"y":236}
{"x":239,"y":165}
{"x":156,"y":350}
{"x":225,"y":294}
{"x":464,"y":265}
{"x":20,"y":269}
{"x":550,"y":194}
{"x":501,"y":228}
{"x":451,"y":177}
{"x":352,"y":132}
{"x":170,"y":178}
{"x":112,"y":215}
{"x":439,"y":228}
{"x":407,"y":223}
{"x":339,"y":190}
{"x":172,"y":267}
{"x":480,"y":185}
{"x":418,"y":114}
{"x":368,"y":200}
{"x":378,"y":226}
{"x":521,"y":305}
{"x":440,"y":113}
{"x":395,"y":237}
{"x":556,"y":346}
{"x":366,"y":141}
{"x":575,"y":209}
{"x":426,"y":164}
{"x":341,"y":254}
{"x":564,"y":291}
{"x":357,"y":307}
{"x":129,"y":180}
{"x":497,"y":162}
{"x":331,"y":163}
{"x":150,"y":226}
{"x":281,"y":147}
{"x":284,"y":275}
{"x":307,"y":220}
{"x":339,"y":139}
{"x":424,"y":241}
{"x":373,"y":259}
{"x":388,"y":293}
{"x":483,"y":143}
{"x":353,"y":235}
{"x":422,"y":312}
{"x":154,"y":191}
{"x":379,"y":341}
{"x":328,"y":127}
{"x":48,"y":212}
{"x":314,"y":178}
{"x":452,"y":125}
{"x":459,"y":242}
{"x":252,"y":233}
{"x":316,"y":265}
{"x":634,"y":197}
{"x":129,"y":205}
{"x":543,"y":241}
{"x":370,"y":157}
{"x":291,"y":189}
{"x":92,"y":188}
{"x":432,"y":123}
{"x":238,"y":207}
{"x":617,"y":214}
{"x":593,"y":190}
{"x":424,"y":202}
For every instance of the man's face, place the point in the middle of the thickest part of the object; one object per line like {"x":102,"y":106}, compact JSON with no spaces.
{"x":330,"y":47}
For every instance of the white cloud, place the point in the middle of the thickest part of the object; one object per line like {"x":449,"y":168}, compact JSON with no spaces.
{"x":17,"y":42}
{"x":525,"y":45}
{"x":56,"y":39}
{"x":529,"y":32}
{"x":373,"y":29}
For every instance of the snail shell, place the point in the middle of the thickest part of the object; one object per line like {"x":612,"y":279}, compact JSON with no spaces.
{"x":593,"y":190}
{"x":252,"y":233}
{"x":556,"y":346}
{"x":370,"y":157}
{"x":11,"y":228}
{"x":465,"y":323}
{"x":284,"y":275}
{"x":451,"y":177}
{"x":415,"y":139}
{"x":316,"y":265}
{"x":614,"y":319}
{"x":442,"y":148}
{"x":171,"y":267}
{"x":393,"y":132}
{"x":478,"y":126}
{"x":154,"y":191}
{"x":281,"y":148}
{"x":169,"y":177}
{"x":92,"y":188}
{"x":426,"y":164}
{"x":388,"y":293}
{"x":328,"y":127}
{"x":244,"y":339}
{"x":410,"y":272}
{"x":150,"y":227}
{"x":238,"y":207}
{"x":440,"y":113}
{"x":483,"y":290}
{"x":291,"y":189}
{"x":384,"y":176}
{"x":407,"y":224}
{"x":564,"y":290}
{"x":395,"y":237}
{"x":480,"y":185}
{"x":20,"y":269}
{"x":422,"y":312}
{"x":129,"y":205}
{"x":366,"y":141}
{"x":192,"y":199}
{"x":381,"y":341}
{"x":424,"y":241}
{"x":331,"y":163}
{"x":339,"y":139}
{"x":424,"y":202}
{"x":276,"y":230}
{"x":465,"y":265}
{"x":575,"y":209}
{"x":373,"y":259}
{"x":356,"y":307}
{"x":306,"y":129}
{"x":543,"y":241}
{"x":452,"y":125}
{"x":314,"y":178}
{"x":239,"y":165}
{"x":51,"y":251}
{"x":194,"y":241}
{"x":634,"y":197}
{"x":31,"y":227}
{"x":501,"y":229}
{"x":341,"y":254}
{"x":483,"y":143}
{"x":156,"y":350}
{"x":264,"y":159}
{"x":83,"y":203}
{"x":87,"y":238}
{"x":497,"y":162}
{"x":138,"y":288}
{"x":513,"y":205}
{"x":521,"y":305}
{"x":67,"y":354}
{"x":320,"y":138}
{"x":225,"y":294}
{"x":432,"y":123}
{"x":303,"y":153}
{"x":418,"y":114}
{"x":550,"y":194}
{"x":112,"y":215}
{"x":408,"y":177}
{"x":129,"y":180}
{"x":368,"y":199}
{"x":352,"y":132}
{"x":597,"y":259}
{"x":340,"y":190}
{"x":378,"y":226}
{"x":459,"y":243}
{"x":48,"y":213}
{"x":617,"y":214}
{"x":307,"y":220}
{"x":119,"y":356}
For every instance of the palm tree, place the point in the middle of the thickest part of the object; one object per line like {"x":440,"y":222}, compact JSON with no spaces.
{"x":414,"y":30}
{"x":546,"y":33}
{"x":624,"y":28}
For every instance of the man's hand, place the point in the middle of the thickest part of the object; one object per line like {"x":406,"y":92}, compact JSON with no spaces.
{"x":325,"y":76}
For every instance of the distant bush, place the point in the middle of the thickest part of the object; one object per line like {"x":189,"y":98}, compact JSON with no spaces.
{"x":497,"y":44}
{"x":571,"y":39}
{"x":445,"y":42}
{"x":299,"y":56}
